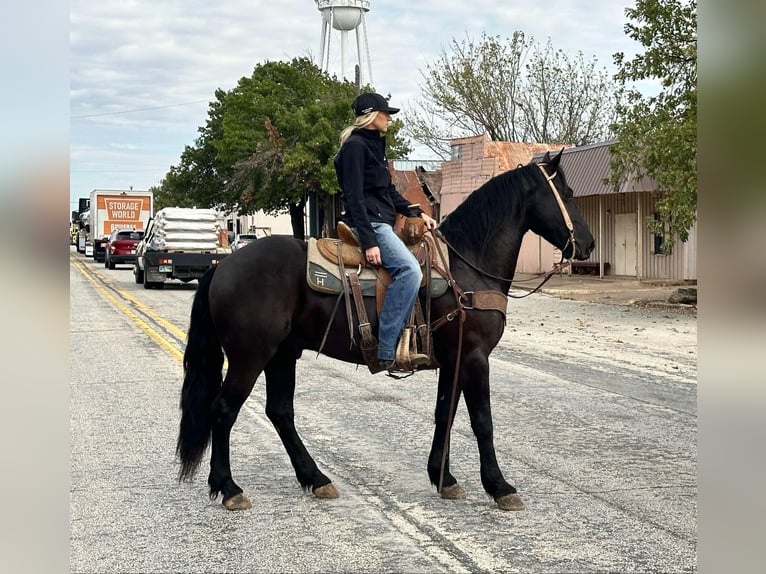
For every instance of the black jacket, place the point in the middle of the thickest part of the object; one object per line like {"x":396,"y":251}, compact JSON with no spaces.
{"x":365,"y":182}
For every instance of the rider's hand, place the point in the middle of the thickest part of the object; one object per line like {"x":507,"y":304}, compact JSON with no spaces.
{"x":372,"y":254}
{"x":430,"y":222}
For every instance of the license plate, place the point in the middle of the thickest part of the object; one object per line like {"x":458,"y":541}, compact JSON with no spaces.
{"x":166,"y":268}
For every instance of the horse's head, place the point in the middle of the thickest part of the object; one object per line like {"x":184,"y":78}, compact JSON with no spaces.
{"x":554,"y":214}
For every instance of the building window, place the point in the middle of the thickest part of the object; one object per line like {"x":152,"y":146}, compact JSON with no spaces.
{"x":457,"y":152}
{"x":660,"y":232}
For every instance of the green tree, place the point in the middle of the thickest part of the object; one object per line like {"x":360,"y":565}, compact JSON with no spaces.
{"x":657,"y":135}
{"x":269,"y":142}
{"x":198,"y":179}
{"x":513,"y":90}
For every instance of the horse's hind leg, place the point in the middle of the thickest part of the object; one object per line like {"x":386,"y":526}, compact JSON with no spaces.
{"x":280,"y":393}
{"x":239,"y":381}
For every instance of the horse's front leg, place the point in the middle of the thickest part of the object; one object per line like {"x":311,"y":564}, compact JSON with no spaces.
{"x":280,"y":396}
{"x":474,"y":377}
{"x":445,"y":483}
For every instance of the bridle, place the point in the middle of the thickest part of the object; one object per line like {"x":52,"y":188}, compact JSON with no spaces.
{"x":564,"y":211}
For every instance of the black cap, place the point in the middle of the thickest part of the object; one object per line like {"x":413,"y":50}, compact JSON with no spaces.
{"x":371,"y":102}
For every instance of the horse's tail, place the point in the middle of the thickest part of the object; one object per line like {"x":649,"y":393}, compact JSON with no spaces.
{"x":203,"y":362}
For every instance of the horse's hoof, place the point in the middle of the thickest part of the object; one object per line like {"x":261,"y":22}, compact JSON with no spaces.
{"x":510,"y":502}
{"x":237,"y":502}
{"x":326,"y":491}
{"x":452,"y":492}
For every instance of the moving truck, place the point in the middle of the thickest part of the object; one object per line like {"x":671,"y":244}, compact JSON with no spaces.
{"x":114,"y":209}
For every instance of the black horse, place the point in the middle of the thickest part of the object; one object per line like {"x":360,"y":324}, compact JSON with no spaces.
{"x":257,"y":307}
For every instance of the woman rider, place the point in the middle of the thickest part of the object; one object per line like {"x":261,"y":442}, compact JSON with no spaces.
{"x":371,"y":203}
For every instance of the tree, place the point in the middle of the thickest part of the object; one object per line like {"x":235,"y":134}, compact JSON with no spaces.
{"x":565,"y":100}
{"x":199,"y":178}
{"x":269,"y":142}
{"x":657,"y":135}
{"x":513,"y":91}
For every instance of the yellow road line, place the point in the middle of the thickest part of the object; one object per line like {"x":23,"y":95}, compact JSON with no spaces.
{"x":161,"y":320}
{"x":154,"y":335}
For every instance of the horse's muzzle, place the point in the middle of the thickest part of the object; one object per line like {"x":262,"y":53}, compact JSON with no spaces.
{"x":581,"y":251}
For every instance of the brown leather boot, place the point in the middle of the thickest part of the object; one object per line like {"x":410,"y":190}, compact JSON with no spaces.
{"x":406,"y":360}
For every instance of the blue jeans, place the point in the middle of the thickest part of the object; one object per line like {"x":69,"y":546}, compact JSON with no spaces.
{"x":401,"y":293}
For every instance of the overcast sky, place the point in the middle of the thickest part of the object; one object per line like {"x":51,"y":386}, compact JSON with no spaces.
{"x":143,"y":71}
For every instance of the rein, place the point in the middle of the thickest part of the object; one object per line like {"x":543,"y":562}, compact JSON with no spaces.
{"x":557,"y":268}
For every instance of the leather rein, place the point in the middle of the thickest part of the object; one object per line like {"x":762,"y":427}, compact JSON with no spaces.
{"x":485,"y":301}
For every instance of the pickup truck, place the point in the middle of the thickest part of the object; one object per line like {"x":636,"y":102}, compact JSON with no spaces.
{"x":179,"y":243}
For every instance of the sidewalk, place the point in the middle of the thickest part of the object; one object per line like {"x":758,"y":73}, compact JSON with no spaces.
{"x":610,"y":290}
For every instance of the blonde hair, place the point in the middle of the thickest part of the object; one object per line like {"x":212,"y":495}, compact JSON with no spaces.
{"x":359,"y":122}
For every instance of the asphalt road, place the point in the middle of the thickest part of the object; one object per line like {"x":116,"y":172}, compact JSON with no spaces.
{"x":595,"y":424}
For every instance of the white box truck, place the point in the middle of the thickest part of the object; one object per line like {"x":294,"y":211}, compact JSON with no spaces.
{"x":115,"y":209}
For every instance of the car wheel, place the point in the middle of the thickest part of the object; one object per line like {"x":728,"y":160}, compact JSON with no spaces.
{"x":109,"y":263}
{"x":138,"y":274}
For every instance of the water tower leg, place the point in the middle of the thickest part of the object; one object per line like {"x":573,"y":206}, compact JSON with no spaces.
{"x":329,"y":44}
{"x":323,"y":46}
{"x":343,"y":48}
{"x":359,"y":56}
{"x":366,"y":51}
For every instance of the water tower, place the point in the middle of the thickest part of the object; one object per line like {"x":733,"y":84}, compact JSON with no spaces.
{"x":345,"y":15}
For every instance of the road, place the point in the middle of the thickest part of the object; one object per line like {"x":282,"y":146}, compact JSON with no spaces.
{"x":595,"y":424}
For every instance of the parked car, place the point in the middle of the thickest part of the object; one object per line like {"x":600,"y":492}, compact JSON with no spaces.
{"x":121,"y":246}
{"x":242,"y":240}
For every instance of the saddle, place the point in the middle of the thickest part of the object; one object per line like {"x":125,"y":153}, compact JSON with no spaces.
{"x":338,"y":266}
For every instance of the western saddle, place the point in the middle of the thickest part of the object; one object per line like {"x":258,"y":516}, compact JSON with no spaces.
{"x":344,"y":259}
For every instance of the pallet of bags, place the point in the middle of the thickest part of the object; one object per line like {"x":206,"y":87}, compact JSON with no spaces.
{"x":184,"y":229}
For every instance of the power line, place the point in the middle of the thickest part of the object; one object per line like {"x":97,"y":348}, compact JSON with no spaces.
{"x":136,"y":110}
{"x":116,"y":170}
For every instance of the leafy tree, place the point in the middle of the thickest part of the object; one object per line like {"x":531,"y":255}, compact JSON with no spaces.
{"x":198,"y":179}
{"x":513,"y":91}
{"x":657,"y":135}
{"x":194,"y":182}
{"x":269,"y":142}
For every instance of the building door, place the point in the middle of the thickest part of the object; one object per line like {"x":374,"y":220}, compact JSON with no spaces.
{"x":625,"y":244}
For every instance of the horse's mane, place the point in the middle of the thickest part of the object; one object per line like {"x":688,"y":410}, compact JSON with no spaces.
{"x":474,"y":223}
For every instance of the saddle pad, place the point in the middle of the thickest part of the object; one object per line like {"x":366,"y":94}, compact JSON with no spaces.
{"x":325,"y":277}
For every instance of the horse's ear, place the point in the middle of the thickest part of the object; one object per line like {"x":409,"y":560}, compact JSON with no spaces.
{"x":546,"y":158}
{"x":554,"y":163}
